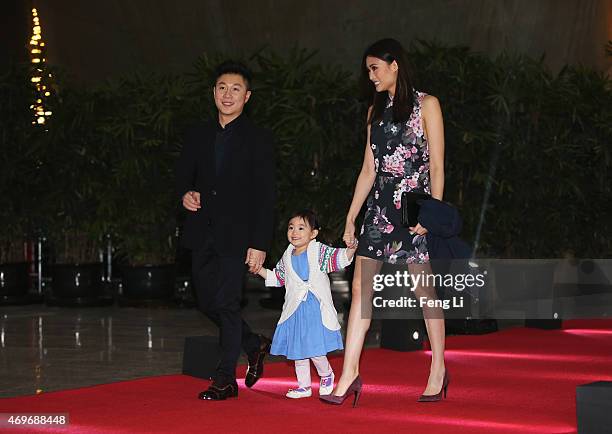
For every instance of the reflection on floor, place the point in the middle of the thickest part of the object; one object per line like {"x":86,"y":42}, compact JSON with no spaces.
{"x":53,"y":348}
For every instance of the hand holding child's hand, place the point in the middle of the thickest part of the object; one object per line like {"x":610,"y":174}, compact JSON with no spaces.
{"x":349,"y":236}
{"x":255,"y":259}
{"x":191,"y":201}
{"x":351,"y":249}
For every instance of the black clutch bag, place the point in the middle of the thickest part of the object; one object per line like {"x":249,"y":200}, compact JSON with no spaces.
{"x":410,"y":207}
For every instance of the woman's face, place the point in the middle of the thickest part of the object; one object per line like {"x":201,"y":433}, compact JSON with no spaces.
{"x":382,"y":74}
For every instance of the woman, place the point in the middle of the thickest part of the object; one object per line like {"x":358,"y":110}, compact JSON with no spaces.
{"x":404,"y":152}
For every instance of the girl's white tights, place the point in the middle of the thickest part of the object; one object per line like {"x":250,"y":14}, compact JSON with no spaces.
{"x":302,"y":369}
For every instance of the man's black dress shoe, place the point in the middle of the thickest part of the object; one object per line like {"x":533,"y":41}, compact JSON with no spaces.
{"x":256,"y":361}
{"x":220,"y":391}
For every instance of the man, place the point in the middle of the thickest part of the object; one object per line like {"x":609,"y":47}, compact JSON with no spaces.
{"x":225,"y":176}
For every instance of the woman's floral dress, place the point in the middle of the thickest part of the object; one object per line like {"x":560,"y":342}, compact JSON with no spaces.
{"x":401,"y":159}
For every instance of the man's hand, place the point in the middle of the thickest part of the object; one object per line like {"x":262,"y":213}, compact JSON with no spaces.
{"x":255,"y":259}
{"x":191,"y":201}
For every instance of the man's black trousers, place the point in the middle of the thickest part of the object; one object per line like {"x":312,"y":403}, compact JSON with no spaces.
{"x":218,"y":282}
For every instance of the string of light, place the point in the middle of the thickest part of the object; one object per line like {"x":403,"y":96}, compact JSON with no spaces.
{"x":40,"y":78}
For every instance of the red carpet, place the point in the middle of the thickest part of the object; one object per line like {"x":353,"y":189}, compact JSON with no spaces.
{"x":515,"y":381}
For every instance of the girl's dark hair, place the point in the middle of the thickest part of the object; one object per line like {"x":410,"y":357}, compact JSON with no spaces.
{"x":403,"y":101}
{"x":308,"y":216}
{"x":233,"y":67}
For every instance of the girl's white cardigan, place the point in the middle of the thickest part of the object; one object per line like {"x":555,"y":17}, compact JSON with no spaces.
{"x":296,"y":290}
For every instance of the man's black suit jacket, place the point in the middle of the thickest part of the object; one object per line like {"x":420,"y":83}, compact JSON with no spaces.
{"x":238,"y":202}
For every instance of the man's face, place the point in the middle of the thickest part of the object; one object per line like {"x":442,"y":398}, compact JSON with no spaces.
{"x":231,"y":94}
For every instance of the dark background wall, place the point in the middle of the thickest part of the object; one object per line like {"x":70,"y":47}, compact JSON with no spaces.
{"x":96,"y":39}
{"x":14,"y":31}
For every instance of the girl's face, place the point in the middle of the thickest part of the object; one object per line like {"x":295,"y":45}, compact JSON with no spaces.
{"x":299,"y":233}
{"x":382,"y":74}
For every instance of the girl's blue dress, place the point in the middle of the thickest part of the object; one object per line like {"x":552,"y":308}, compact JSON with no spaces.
{"x":303,"y":334}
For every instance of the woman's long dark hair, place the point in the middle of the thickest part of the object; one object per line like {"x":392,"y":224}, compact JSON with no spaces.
{"x":403,"y":101}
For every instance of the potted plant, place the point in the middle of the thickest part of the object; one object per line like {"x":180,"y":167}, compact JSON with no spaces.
{"x":76,"y":174}
{"x":19,"y":149}
{"x":141,"y":123}
{"x":14,"y":269}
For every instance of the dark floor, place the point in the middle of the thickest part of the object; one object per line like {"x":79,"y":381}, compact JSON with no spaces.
{"x":52,"y":348}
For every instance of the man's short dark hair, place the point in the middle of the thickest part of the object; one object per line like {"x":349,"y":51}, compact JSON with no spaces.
{"x":233,"y":67}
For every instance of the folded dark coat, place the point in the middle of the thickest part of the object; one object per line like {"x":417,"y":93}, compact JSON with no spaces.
{"x":443,"y":224}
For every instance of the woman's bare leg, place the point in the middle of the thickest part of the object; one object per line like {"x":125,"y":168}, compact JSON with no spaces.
{"x":434,"y":322}
{"x":360,"y":317}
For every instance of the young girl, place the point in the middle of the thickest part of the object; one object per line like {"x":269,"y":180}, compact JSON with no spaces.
{"x":308,"y":328}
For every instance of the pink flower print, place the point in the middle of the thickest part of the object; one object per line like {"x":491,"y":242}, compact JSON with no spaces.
{"x":397,"y":194}
{"x":393,"y":248}
{"x":412,"y":183}
{"x":382,"y":222}
{"x":397,"y":198}
{"x":395,"y":163}
{"x":413,"y":150}
{"x":388,"y":252}
{"x":415,"y":123}
{"x":410,"y":138}
{"x":418,"y":239}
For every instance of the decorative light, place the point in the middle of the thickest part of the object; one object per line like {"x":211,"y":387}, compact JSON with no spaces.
{"x":38,"y":75}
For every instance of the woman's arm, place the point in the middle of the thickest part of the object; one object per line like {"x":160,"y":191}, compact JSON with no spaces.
{"x":362,"y":189}
{"x":434,"y":131}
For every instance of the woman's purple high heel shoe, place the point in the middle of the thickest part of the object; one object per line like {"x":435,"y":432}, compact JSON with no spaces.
{"x":437,"y":396}
{"x":355,"y":388}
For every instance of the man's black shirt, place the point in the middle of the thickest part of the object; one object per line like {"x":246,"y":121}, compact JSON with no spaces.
{"x":233,"y":170}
